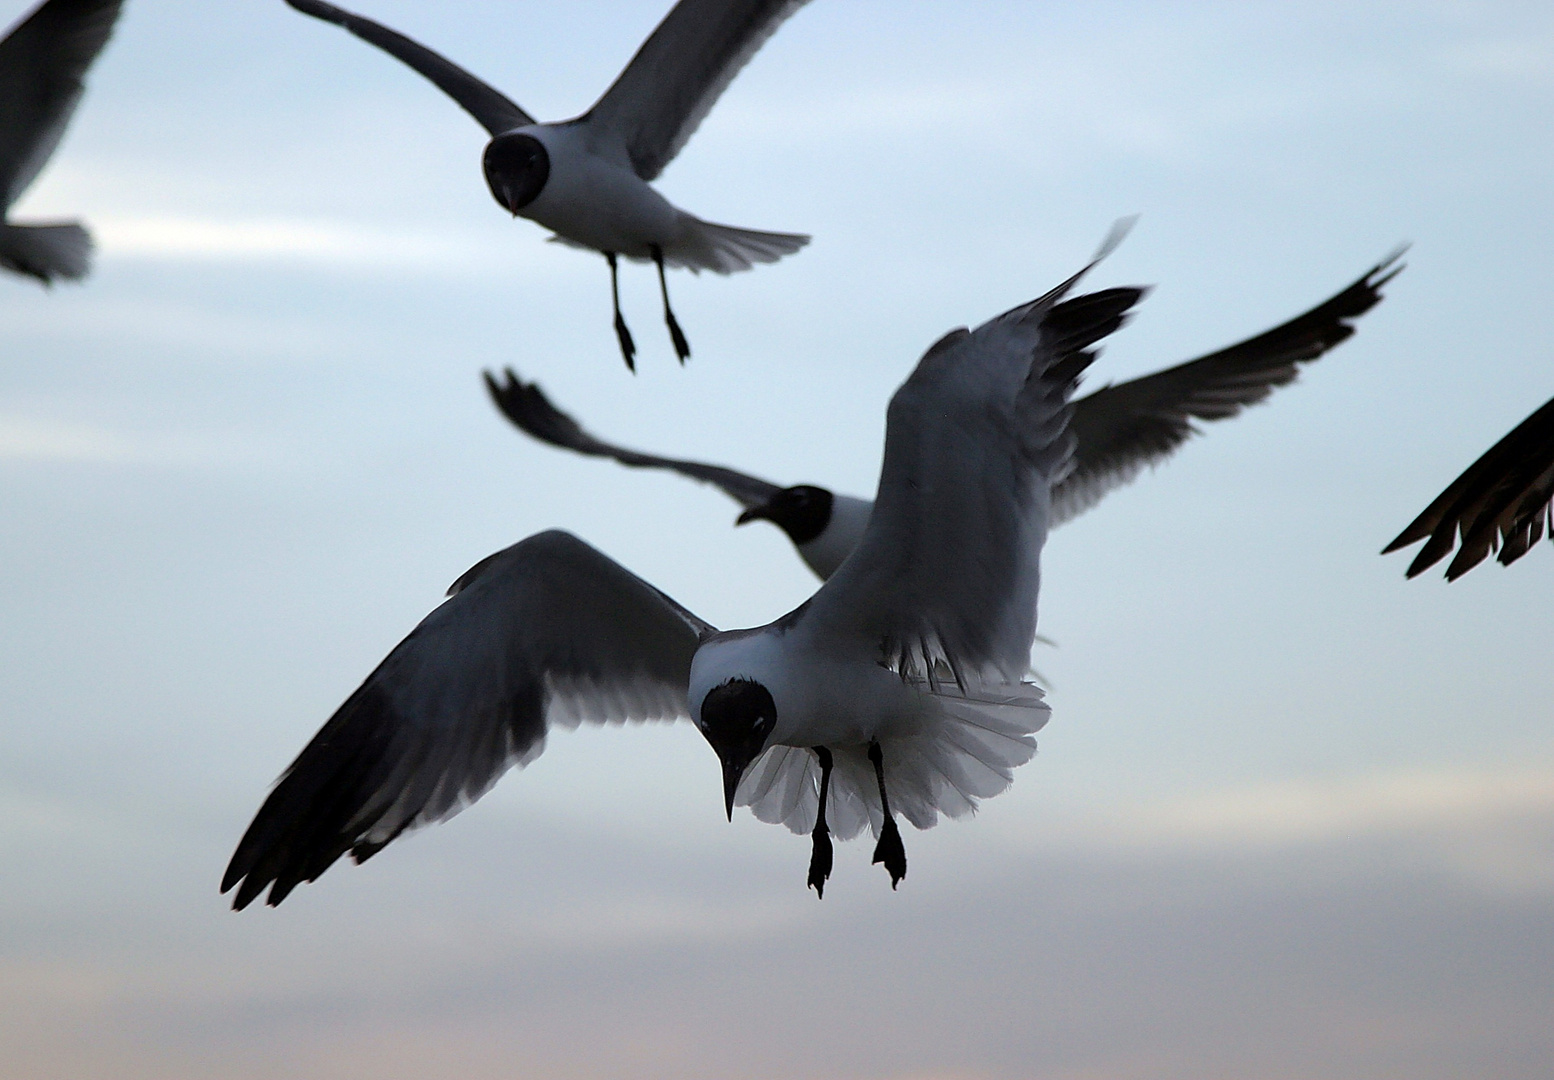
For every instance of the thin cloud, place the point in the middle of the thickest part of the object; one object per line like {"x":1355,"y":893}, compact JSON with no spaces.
{"x":320,"y":241}
{"x":34,"y":439}
{"x":1308,"y":810}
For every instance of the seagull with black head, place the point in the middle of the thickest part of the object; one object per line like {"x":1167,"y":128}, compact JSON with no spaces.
{"x":897,"y":689}
{"x":588,"y":179}
{"x":1117,"y":429}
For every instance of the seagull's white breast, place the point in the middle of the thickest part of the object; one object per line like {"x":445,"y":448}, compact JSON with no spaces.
{"x":822,"y":698}
{"x":843,"y":533}
{"x":593,"y":198}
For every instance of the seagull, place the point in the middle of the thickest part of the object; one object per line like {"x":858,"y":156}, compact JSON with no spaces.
{"x":897,"y":688}
{"x":43,"y":60}
{"x":1118,"y":429}
{"x":588,"y":179}
{"x":1503,"y":500}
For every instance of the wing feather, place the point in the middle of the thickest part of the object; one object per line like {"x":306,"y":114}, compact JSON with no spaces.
{"x":546,"y":631}
{"x":43,"y":64}
{"x":1118,"y":430}
{"x":526,"y":405}
{"x":948,"y":565}
{"x":489,"y":106}
{"x":658,"y":101}
{"x":1504,"y":501}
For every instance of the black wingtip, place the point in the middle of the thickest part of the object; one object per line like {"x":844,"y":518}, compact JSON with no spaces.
{"x":1382,"y":273}
{"x":527,"y":408}
{"x":512,"y":396}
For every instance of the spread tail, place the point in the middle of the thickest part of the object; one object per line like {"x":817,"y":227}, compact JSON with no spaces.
{"x":724,"y":249}
{"x":967,"y":755}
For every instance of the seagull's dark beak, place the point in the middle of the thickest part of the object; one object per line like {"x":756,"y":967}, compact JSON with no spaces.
{"x":755,"y":513}
{"x":733,"y":772}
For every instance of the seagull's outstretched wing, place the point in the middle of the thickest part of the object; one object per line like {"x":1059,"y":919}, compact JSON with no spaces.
{"x":546,"y":631}
{"x":495,"y":112}
{"x":1503,"y":500}
{"x":1120,"y":429}
{"x":526,"y":405}
{"x":43,"y":62}
{"x":948,"y":568}
{"x":680,"y":71}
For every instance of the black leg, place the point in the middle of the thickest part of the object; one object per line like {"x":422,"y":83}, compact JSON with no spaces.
{"x":820,"y":855}
{"x":622,"y":334}
{"x":682,"y":348}
{"x":890,"y":850}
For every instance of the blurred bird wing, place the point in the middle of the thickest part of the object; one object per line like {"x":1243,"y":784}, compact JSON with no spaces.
{"x":678,"y":74}
{"x":43,"y":62}
{"x":1118,"y":430}
{"x":546,"y":631}
{"x":526,"y":405}
{"x":1505,"y":499}
{"x":947,"y":571}
{"x":493,"y":109}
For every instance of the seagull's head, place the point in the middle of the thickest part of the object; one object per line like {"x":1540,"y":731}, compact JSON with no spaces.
{"x":803,"y":512}
{"x":737,"y":717}
{"x":517,"y":167}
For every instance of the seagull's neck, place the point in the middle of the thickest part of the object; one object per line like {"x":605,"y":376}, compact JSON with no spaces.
{"x":843,"y":532}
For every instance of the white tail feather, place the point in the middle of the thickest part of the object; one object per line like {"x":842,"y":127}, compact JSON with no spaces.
{"x":46,"y":252}
{"x":724,"y":249}
{"x":967,"y":754}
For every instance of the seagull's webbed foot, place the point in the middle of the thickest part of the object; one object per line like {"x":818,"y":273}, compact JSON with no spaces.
{"x":682,"y":348}
{"x":628,"y":347}
{"x":622,"y":332}
{"x":889,"y":850}
{"x":820,"y":860}
{"x":820,"y":854}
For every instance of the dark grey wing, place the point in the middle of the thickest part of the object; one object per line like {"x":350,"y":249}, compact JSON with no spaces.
{"x":948,"y":567}
{"x":1120,"y":429}
{"x":678,"y":74}
{"x":485,"y":103}
{"x":43,"y":63}
{"x":547,"y":631}
{"x":526,"y":405}
{"x":1503,"y":500}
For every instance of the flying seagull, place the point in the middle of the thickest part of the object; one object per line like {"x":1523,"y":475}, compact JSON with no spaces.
{"x":896,"y":689}
{"x":1503,"y":500}
{"x":43,"y":62}
{"x":587,"y":179}
{"x":1118,"y":429}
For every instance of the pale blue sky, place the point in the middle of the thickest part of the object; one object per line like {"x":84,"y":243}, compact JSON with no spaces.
{"x":1293,"y":817}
